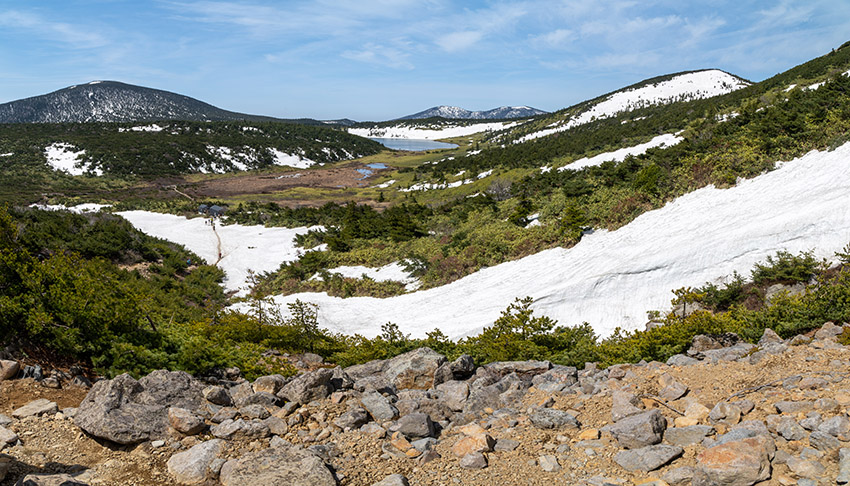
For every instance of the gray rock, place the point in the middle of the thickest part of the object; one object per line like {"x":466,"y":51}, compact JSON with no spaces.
{"x":226,"y":413}
{"x":793,"y":407}
{"x":556,"y":379}
{"x":823,"y":442}
{"x":378,"y":406}
{"x":828,"y":331}
{"x":769,"y":336}
{"x":276,"y":425}
{"x":550,"y":418}
{"x":352,"y":419}
{"x":393,"y":480}
{"x":415,"y":369}
{"x":378,"y":383}
{"x":740,"y":463}
{"x":269,"y":384}
{"x":812,"y":421}
{"x":789,"y":429}
{"x":38,"y":407}
{"x":505,"y":445}
{"x":241,"y":429}
{"x":127,"y":411}
{"x":5,"y":420}
{"x":641,"y":430}
{"x":425,"y":444}
{"x":732,"y":353}
{"x":340,"y":379}
{"x":624,"y":404}
{"x":805,"y":469}
{"x":475,"y":460}
{"x":680,"y":476}
{"x":9,"y":369}
{"x":549,"y":463}
{"x":837,"y":426}
{"x":673,"y":391}
{"x":416,"y":425}
{"x":726,"y":413}
{"x":685,"y":436}
{"x":292,"y":466}
{"x":828,"y":405}
{"x":843,"y":466}
{"x":50,"y":480}
{"x":463,"y":367}
{"x":453,"y":394}
{"x":7,"y":437}
{"x":313,"y":385}
{"x":259,"y":398}
{"x":523,"y":368}
{"x":185,"y":422}
{"x":193,"y":466}
{"x":254,"y":411}
{"x":702,"y":343}
{"x":358,"y":372}
{"x":681,"y":360}
{"x":647,"y":458}
{"x":218,"y":396}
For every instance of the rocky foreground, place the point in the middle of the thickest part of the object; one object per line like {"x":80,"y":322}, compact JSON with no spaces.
{"x":727,"y":413}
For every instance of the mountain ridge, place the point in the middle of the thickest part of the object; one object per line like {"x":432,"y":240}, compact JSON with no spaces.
{"x":455,"y":112}
{"x":114,"y":101}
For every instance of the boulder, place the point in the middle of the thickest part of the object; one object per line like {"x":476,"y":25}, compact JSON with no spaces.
{"x":231,"y":429}
{"x":739,"y":463}
{"x":685,"y":436}
{"x":378,"y":406}
{"x":292,"y":465}
{"x":217,"y":396}
{"x":313,"y":385}
{"x":49,"y":480}
{"x":9,"y":369}
{"x":358,"y":372}
{"x":624,"y":404}
{"x":453,"y":394}
{"x":42,"y":406}
{"x":680,"y":476}
{"x":127,"y":411}
{"x":527,"y":369}
{"x":550,"y":418}
{"x":269,"y":384}
{"x":726,"y":413}
{"x":463,"y":367}
{"x":185,"y":422}
{"x":641,"y":430}
{"x":647,"y":458}
{"x":472,"y":444}
{"x":352,"y":419}
{"x":415,"y":369}
{"x":475,"y":460}
{"x":193,"y":466}
{"x":416,"y":425}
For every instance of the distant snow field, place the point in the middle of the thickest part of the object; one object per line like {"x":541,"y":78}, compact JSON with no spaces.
{"x":421,"y":133}
{"x":296,"y":161}
{"x":244,"y":249}
{"x":667,"y":140}
{"x":613,"y":278}
{"x":146,"y":128}
{"x":63,"y":157}
{"x":690,"y":86}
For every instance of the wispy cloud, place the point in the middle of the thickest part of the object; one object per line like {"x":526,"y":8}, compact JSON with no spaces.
{"x":70,"y":35}
{"x":380,"y":55}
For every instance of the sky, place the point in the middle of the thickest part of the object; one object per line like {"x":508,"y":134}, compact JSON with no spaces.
{"x":383,"y":59}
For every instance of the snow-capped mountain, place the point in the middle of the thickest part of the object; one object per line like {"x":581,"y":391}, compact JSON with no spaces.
{"x":111,"y":101}
{"x":455,"y":112}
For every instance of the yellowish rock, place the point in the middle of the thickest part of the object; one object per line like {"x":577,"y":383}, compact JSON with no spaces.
{"x":697,"y":411}
{"x":588,"y":434}
{"x":472,"y":444}
{"x":685,"y":421}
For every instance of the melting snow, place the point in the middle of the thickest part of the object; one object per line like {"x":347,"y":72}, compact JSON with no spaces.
{"x":421,"y":133}
{"x":691,"y":86}
{"x":62,"y":157}
{"x":243,"y":248}
{"x":282,"y":158}
{"x":80,"y":208}
{"x":394,"y":272}
{"x":613,"y":278}
{"x":667,"y":140}
{"x":145,"y":128}
{"x":7,"y":155}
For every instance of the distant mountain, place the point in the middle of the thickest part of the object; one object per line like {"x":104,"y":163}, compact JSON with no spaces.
{"x":457,"y":113}
{"x":111,"y":101}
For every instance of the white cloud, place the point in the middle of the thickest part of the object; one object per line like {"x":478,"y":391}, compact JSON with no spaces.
{"x":555,"y":39}
{"x":381,"y":55}
{"x":72,"y":36}
{"x":459,"y":41}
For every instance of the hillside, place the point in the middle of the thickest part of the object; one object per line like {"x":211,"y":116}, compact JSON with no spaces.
{"x":454,"y":112}
{"x":111,"y":101}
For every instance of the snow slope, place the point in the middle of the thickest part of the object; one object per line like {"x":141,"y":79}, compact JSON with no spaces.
{"x":666,"y":140}
{"x":62,"y":157}
{"x":393,"y":272}
{"x":613,"y":278}
{"x":685,"y":87}
{"x":243,"y":248}
{"x":422,"y":133}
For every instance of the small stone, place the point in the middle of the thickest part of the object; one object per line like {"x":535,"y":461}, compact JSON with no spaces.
{"x":217,"y":395}
{"x":588,"y":434}
{"x":790,"y":407}
{"x":685,"y":436}
{"x":550,"y":418}
{"x":9,"y":369}
{"x":393,"y":480}
{"x":473,"y":443}
{"x":7,"y":437}
{"x":647,"y":458}
{"x":373,"y":430}
{"x":184,"y":421}
{"x":673,"y":391}
{"x":416,"y":425}
{"x":823,"y":442}
{"x":680,"y":476}
{"x":475,"y":460}
{"x":192,"y":466}
{"x":352,"y":419}
{"x":805,"y":469}
{"x":843,"y":466}
{"x":725,"y":413}
{"x":41,"y":406}
{"x":639,"y":430}
{"x":697,"y":411}
{"x":549,"y":463}
{"x":505,"y":445}
{"x":685,"y":422}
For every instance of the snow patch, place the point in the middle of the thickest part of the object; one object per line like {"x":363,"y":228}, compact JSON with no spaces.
{"x":145,"y":128}
{"x":436,"y":133}
{"x":394,"y":272}
{"x":282,"y":158}
{"x":63,"y":157}
{"x":667,"y":140}
{"x":613,"y":278}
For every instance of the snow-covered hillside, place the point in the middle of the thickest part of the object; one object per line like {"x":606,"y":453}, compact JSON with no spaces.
{"x":613,"y":278}
{"x":236,"y":249}
{"x":666,"y":140}
{"x":425,"y":132}
{"x":684,"y":87}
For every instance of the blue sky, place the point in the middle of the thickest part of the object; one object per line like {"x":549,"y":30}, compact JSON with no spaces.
{"x":382,"y":59}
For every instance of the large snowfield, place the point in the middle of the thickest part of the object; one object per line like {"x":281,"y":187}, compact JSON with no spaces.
{"x":244,"y":249}
{"x":421,"y":133}
{"x":690,"y":86}
{"x":613,"y":278}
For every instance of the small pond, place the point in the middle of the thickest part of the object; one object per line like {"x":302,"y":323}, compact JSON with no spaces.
{"x":413,"y":145}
